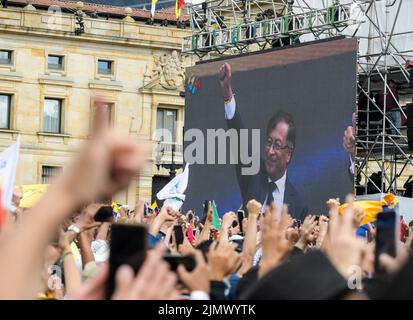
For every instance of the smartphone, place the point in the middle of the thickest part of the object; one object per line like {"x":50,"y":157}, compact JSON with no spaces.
{"x":146,"y":209}
{"x":128,"y":246}
{"x":104,"y":214}
{"x":190,"y":217}
{"x":174,"y":261}
{"x":206,"y":204}
{"x":387,"y":233}
{"x":241,"y":216}
{"x":179,"y":234}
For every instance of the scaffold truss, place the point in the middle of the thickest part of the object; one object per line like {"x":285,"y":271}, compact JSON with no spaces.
{"x":220,"y":25}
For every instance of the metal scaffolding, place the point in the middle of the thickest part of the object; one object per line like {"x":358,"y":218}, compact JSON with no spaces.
{"x":382,"y":143}
{"x":237,"y":26}
{"x":246,"y":25}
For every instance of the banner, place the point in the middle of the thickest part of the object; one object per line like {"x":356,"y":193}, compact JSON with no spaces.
{"x":32,"y":194}
{"x":8,"y":166}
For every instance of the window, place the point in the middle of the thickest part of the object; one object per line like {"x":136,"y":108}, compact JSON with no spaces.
{"x":6,"y":56}
{"x":5,"y":103}
{"x":165,"y":125}
{"x":105,"y":67}
{"x":52,"y":115}
{"x":48,"y":173}
{"x":54,"y":62}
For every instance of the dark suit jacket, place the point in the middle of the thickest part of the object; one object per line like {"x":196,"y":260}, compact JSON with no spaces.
{"x":256,"y":186}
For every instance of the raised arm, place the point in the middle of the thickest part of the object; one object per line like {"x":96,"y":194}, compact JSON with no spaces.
{"x":73,"y":279}
{"x":104,"y":166}
{"x":250,"y":240}
{"x":225,"y":81}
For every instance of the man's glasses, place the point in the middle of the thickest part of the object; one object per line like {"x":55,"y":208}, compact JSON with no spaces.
{"x":276,"y":144}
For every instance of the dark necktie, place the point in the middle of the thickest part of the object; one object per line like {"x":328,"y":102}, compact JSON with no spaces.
{"x":271,"y":188}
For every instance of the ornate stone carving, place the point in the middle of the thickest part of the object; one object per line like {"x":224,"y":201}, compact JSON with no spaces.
{"x":30,"y":6}
{"x":128,"y":13}
{"x":169,"y":70}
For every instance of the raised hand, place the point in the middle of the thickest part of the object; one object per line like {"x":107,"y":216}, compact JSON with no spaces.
{"x":223,"y":260}
{"x":154,"y":281}
{"x":210,"y":215}
{"x":254,"y":208}
{"x":197,"y":279}
{"x":226,"y":224}
{"x":227,"y":220}
{"x":139,"y":211}
{"x":86,"y":219}
{"x":323,"y":229}
{"x":167,"y":215}
{"x":349,"y":140}
{"x":333,"y":204}
{"x":225,"y":81}
{"x":342,"y":246}
{"x":275,"y":246}
{"x":392,"y":265}
{"x":308,"y":232}
{"x":358,"y":216}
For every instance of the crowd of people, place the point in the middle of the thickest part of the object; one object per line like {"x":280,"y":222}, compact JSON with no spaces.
{"x":58,"y":250}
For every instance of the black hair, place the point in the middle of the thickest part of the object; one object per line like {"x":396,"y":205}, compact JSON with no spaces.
{"x":282,"y":116}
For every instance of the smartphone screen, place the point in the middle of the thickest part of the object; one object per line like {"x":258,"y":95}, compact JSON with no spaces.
{"x":128,"y":246}
{"x":386,"y":236}
{"x":104,"y":214}
{"x":179,"y":234}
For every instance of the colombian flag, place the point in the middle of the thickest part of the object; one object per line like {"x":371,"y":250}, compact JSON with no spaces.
{"x":154,"y":207}
{"x":178,"y":5}
{"x":115,"y":207}
{"x":372,"y":209}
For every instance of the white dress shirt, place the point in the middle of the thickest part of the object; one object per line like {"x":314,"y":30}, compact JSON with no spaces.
{"x":230,"y":109}
{"x":278,"y":193}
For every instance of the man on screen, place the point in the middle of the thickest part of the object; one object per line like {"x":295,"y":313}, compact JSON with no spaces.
{"x":271,"y":183}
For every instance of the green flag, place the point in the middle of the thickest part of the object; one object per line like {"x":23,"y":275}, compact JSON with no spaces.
{"x":215,"y":221}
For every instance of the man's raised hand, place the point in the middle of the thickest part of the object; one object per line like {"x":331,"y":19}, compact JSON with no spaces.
{"x":225,"y":81}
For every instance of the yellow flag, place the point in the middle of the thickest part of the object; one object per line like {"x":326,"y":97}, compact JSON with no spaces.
{"x":373,"y":208}
{"x":115,"y":207}
{"x":31,"y":194}
{"x":153,"y":206}
{"x":153,"y":7}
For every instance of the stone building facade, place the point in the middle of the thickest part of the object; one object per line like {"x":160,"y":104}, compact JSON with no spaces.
{"x":49,"y":76}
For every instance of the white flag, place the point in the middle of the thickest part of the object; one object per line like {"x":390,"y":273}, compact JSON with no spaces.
{"x":8,"y":168}
{"x":173,"y":192}
{"x":153,"y":7}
